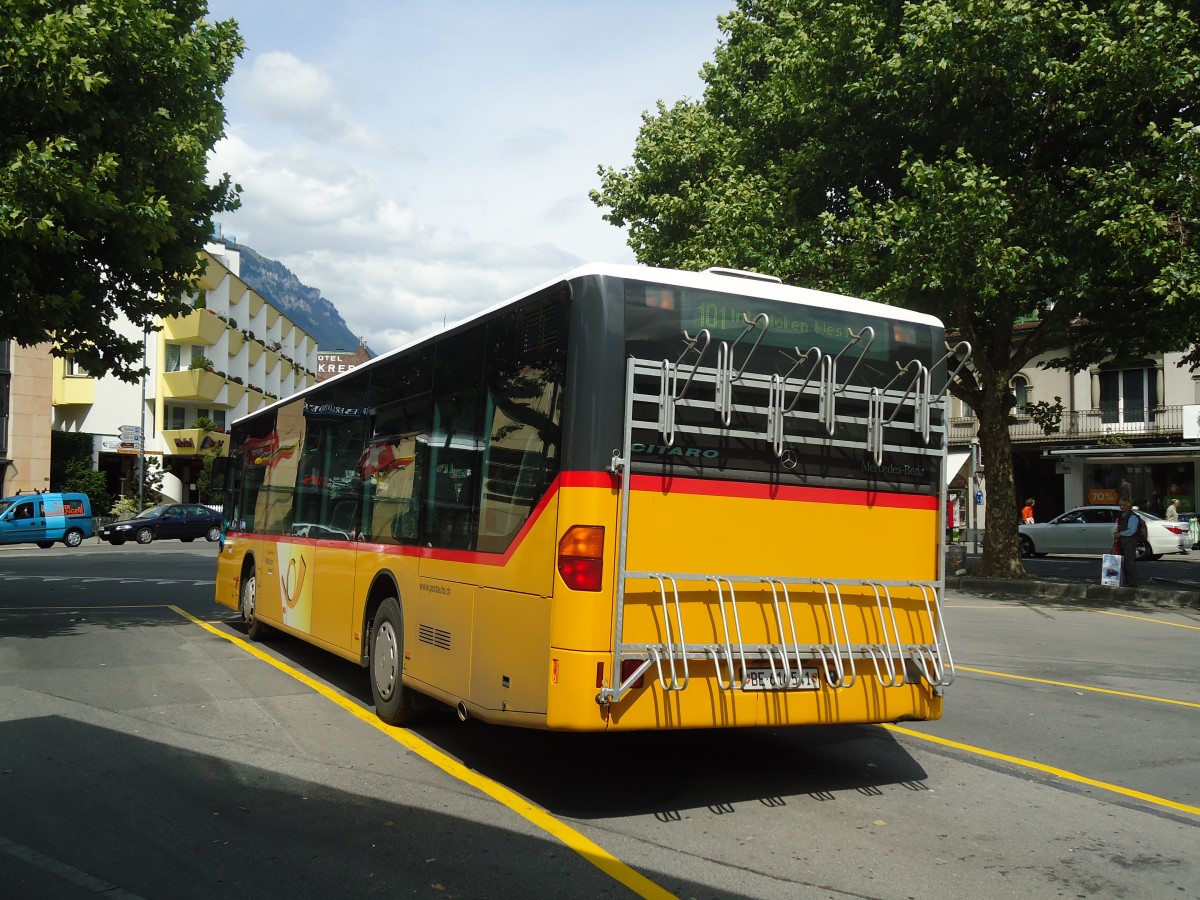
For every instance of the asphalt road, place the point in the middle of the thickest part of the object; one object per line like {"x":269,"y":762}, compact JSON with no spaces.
{"x":146,"y":750}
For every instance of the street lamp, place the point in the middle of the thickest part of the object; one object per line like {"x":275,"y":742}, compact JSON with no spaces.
{"x":142,"y":424}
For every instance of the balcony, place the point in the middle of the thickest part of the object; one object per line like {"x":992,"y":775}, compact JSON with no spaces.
{"x":190,"y":441}
{"x":197,"y":327}
{"x":71,"y":390}
{"x":1161,"y":422}
{"x":192,"y":384}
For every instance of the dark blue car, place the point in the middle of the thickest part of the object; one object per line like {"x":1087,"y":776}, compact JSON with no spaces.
{"x":182,"y":521}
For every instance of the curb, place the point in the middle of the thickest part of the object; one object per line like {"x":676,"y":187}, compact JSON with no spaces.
{"x":1172,"y":598}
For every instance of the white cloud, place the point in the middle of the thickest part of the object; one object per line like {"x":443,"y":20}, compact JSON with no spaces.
{"x":418,"y":163}
{"x":282,"y":88}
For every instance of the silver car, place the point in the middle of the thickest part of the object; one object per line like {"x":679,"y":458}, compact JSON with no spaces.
{"x":1089,"y":529}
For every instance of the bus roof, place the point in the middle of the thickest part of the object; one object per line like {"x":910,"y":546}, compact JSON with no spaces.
{"x":730,"y":281}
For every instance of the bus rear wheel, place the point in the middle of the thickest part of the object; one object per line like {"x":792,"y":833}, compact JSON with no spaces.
{"x":394,"y":703}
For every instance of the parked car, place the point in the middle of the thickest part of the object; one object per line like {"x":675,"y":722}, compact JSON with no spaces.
{"x":1089,"y":529}
{"x":184,"y":521}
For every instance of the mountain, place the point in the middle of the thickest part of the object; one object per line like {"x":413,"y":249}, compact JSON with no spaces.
{"x":302,"y":304}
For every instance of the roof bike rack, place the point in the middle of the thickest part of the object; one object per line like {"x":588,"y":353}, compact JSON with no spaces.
{"x":827,"y":392}
{"x":962,"y":347}
{"x":669,"y":394}
{"x":726,"y":374}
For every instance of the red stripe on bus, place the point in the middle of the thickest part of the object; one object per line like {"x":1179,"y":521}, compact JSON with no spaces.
{"x":644,"y":483}
{"x":752,"y":490}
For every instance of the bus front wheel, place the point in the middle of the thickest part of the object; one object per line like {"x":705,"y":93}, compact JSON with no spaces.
{"x":394,"y":703}
{"x":255,"y":630}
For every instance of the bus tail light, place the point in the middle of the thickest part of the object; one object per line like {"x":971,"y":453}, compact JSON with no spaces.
{"x":581,"y":557}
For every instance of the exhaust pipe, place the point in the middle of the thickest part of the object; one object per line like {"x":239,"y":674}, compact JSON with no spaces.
{"x":463,"y":715}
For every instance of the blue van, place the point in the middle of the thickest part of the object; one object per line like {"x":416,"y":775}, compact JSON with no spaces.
{"x":44,"y":519}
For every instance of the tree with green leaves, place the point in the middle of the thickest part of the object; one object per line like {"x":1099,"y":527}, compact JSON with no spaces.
{"x":981,"y":160}
{"x":107,"y":113}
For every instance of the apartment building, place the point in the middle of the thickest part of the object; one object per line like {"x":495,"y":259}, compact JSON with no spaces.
{"x":230,"y":355}
{"x":25,"y":377}
{"x":1136,"y":421}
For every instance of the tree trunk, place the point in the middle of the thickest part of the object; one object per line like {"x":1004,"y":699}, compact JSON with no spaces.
{"x":1001,"y":548}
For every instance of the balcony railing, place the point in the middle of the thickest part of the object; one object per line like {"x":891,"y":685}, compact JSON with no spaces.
{"x":1164,"y":422}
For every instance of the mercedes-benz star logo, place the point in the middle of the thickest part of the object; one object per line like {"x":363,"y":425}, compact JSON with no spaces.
{"x":789,"y":459}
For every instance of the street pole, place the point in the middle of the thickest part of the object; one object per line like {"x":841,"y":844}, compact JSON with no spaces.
{"x":972,"y":506}
{"x":142,"y":442}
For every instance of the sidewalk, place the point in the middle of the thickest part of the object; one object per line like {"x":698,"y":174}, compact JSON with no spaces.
{"x":1152,"y":591}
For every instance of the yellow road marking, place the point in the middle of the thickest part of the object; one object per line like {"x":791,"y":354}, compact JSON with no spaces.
{"x":1078,"y":687}
{"x":588,"y":849}
{"x":83,"y":607}
{"x":996,"y":608}
{"x":1105,"y":612}
{"x":1049,"y":770}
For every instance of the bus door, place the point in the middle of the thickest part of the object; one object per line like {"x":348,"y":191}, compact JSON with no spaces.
{"x":329,"y":512}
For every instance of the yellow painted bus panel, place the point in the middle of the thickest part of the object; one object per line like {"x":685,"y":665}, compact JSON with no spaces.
{"x":737,"y":535}
{"x":229,"y":568}
{"x":583,"y":620}
{"x":333,"y":604}
{"x":437,"y":634}
{"x":268,"y":601}
{"x":510,"y":667}
{"x":704,"y":704}
{"x":805,"y":617}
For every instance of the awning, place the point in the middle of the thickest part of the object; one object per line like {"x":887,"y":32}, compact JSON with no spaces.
{"x":1126,"y":454}
{"x":954,"y":464}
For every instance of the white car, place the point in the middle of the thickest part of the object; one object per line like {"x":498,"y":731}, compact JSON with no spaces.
{"x":1089,"y":529}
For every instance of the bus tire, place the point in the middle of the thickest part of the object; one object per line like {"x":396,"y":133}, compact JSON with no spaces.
{"x":394,"y":703}
{"x":255,"y":629}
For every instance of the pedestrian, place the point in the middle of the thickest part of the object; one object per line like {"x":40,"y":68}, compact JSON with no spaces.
{"x":1126,"y":532}
{"x":1125,"y":491}
{"x":1173,"y":510}
{"x":1027,"y":512}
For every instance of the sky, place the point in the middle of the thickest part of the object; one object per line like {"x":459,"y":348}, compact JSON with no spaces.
{"x":420,"y":161}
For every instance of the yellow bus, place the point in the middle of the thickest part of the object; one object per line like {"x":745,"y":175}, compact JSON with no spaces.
{"x":632,"y":498}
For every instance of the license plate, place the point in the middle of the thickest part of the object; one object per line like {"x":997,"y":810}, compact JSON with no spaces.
{"x":778,"y":680}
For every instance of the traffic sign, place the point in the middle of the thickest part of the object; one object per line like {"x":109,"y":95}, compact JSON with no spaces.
{"x":131,"y":432}
{"x":131,"y":445}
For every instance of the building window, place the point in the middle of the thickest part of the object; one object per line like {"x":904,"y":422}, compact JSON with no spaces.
{"x":74,"y":369}
{"x":175,"y":416}
{"x":1021,"y":390}
{"x":172,"y":360}
{"x":1129,"y":394}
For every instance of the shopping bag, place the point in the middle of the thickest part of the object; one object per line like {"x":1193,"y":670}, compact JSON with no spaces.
{"x":1110,"y":569}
